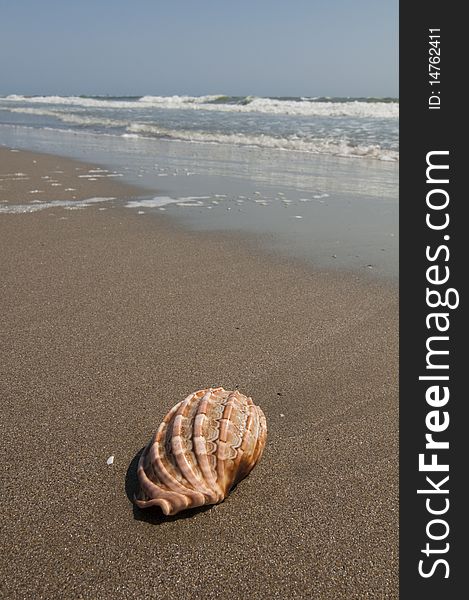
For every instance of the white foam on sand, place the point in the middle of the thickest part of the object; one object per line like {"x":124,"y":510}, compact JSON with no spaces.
{"x":151,"y":202}
{"x":196,"y":203}
{"x":315,"y":197}
{"x":93,"y":176}
{"x":16,"y":209}
{"x":189,"y":198}
{"x":159,"y":201}
{"x":14,"y":177}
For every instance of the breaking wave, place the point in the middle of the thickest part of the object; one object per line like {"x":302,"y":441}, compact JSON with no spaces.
{"x":369,"y":108}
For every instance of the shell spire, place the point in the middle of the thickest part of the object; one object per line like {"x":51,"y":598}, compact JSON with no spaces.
{"x":205,"y":445}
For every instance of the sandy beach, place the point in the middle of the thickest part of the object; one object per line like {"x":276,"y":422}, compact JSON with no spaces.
{"x":108,"y":319}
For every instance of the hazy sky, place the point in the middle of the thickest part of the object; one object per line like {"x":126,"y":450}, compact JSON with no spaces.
{"x":237,"y":47}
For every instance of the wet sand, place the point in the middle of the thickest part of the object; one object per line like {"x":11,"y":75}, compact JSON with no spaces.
{"x":108,"y":319}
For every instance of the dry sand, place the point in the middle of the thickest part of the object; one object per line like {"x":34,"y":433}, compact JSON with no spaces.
{"x":108,"y":319}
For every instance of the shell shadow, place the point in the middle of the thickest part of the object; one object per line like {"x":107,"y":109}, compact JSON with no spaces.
{"x":153,"y":515}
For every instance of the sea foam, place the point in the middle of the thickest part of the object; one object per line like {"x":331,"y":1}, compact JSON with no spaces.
{"x":247,"y":104}
{"x":341,"y":127}
{"x":15,"y":209}
{"x":159,"y":201}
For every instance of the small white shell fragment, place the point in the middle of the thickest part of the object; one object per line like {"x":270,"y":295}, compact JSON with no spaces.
{"x":110,"y":460}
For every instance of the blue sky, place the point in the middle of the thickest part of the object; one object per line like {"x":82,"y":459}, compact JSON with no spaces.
{"x":259,"y":47}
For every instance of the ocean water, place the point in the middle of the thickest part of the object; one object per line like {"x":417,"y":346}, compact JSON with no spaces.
{"x":312,"y":178}
{"x":355,"y":127}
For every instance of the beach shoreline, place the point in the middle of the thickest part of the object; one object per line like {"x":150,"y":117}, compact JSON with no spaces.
{"x":110,"y":318}
{"x":335,"y":213}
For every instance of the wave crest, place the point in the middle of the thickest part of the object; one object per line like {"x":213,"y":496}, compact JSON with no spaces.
{"x":307,"y":107}
{"x":289,"y":143}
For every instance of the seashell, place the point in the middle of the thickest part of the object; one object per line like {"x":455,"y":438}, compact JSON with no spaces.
{"x":205,"y":445}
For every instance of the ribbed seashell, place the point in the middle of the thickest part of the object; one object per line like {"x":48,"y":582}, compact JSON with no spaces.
{"x":205,"y":445}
